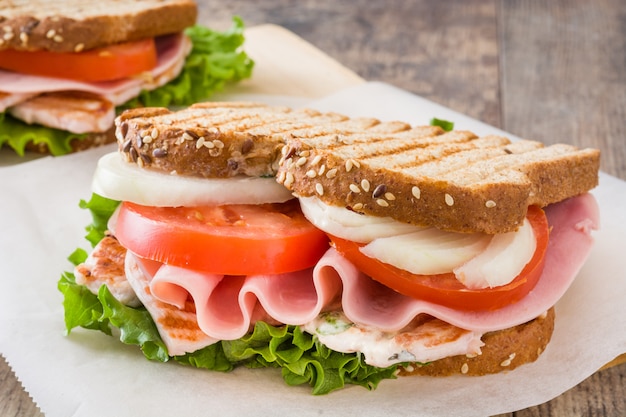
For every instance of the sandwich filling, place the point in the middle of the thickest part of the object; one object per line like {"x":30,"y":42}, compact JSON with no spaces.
{"x":219,"y":296}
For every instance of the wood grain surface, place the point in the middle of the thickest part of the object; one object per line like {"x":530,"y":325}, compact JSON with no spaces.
{"x":551,"y":71}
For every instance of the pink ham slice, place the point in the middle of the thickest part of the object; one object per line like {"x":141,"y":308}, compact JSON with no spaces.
{"x":171,"y":50}
{"x":227,"y":307}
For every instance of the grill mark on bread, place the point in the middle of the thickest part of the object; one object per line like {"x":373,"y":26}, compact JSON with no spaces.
{"x":455,"y":180}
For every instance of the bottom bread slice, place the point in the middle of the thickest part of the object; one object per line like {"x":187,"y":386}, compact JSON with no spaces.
{"x":504,"y":350}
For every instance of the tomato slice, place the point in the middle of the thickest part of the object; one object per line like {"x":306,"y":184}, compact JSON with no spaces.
{"x":229,"y":240}
{"x":445,"y":289}
{"x":102,"y":64}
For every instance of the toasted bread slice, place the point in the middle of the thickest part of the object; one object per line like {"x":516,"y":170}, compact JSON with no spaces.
{"x":76,"y":25}
{"x":454,"y":181}
{"x":218,"y":140}
{"x":504,"y":350}
{"x":421,"y":175}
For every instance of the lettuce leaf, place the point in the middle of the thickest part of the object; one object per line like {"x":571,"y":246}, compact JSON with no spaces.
{"x":300,"y":356}
{"x":216,"y":59}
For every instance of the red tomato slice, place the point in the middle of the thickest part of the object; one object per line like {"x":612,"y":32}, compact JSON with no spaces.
{"x":228,"y":240}
{"x":101,"y":64}
{"x":445,"y":289}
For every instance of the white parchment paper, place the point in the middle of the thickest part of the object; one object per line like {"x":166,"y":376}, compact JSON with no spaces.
{"x":90,"y":374}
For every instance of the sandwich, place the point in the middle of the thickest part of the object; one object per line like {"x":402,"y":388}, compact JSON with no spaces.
{"x":406,"y":250}
{"x":67,"y":70}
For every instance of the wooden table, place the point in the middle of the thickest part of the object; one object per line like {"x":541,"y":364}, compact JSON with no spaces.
{"x":551,"y":71}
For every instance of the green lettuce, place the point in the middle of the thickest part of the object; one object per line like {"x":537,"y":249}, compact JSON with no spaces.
{"x":216,"y":59}
{"x":300,"y":356}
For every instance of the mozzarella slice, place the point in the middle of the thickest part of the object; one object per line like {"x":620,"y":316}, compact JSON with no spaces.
{"x":346,"y":224}
{"x":119,"y":180}
{"x":428,"y":251}
{"x":501,"y":261}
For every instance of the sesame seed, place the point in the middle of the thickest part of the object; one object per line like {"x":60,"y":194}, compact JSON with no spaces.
{"x":416,"y":192}
{"x":301,"y":161}
{"x":218,"y":144}
{"x":464,"y":368}
{"x":382,"y":203}
{"x":355,"y":188}
{"x":316,"y":160}
{"x":58,"y":38}
{"x":289,"y":179}
{"x":357,"y":206}
{"x":281,"y":177}
{"x":321,"y":171}
{"x":390,"y":196}
{"x":471,"y":355}
{"x":283,"y":151}
{"x":311,"y":173}
{"x":154,"y":133}
{"x":365,"y":185}
{"x":187,"y":136}
{"x":79,"y":47}
{"x":449,"y":199}
{"x":8,"y":36}
{"x":507,"y":361}
{"x":49,"y":34}
{"x":208,"y":144}
{"x":490,"y":204}
{"x":140,"y":162}
{"x":356,"y":163}
{"x":24,"y":37}
{"x":199,"y":143}
{"x":305,"y":153}
{"x":147,"y":139}
{"x":349,"y":165}
{"x":319,"y":188}
{"x":331,"y":173}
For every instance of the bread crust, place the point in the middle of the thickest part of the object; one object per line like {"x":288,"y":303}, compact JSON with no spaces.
{"x":504,"y":350}
{"x":487,"y":206}
{"x":69,"y":26}
{"x":455,"y":181}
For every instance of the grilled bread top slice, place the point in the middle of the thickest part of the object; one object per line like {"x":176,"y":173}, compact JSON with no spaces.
{"x":420,"y":175}
{"x":454,"y":181}
{"x":80,"y":25}
{"x":219,"y":140}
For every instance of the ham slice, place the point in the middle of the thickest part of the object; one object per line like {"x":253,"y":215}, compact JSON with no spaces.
{"x":227,"y":307}
{"x":171,"y":49}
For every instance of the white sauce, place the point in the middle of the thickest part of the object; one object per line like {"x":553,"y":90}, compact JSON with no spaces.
{"x":423,"y":342}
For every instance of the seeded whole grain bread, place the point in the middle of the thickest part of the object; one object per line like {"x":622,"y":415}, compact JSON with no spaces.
{"x":80,"y":25}
{"x":504,"y":350}
{"x":420,"y":175}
